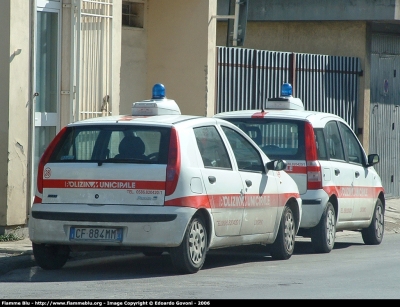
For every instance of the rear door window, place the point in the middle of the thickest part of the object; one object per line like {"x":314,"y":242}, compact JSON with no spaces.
{"x":212,"y":148}
{"x":109,"y":143}
{"x":333,"y":141}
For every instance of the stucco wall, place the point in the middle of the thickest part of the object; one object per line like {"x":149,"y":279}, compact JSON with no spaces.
{"x":5,"y":58}
{"x":14,"y":123}
{"x":181,"y":52}
{"x":133,"y":66}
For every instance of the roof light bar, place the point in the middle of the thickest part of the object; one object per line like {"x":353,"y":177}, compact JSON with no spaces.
{"x":286,"y":101}
{"x":157,"y":105}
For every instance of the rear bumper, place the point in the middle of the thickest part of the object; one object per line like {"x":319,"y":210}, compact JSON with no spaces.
{"x":314,"y":203}
{"x":147,"y":226}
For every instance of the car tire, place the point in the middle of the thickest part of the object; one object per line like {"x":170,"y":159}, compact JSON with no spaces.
{"x":373,"y":235}
{"x":189,"y":256}
{"x":50,"y":257}
{"x":323,"y":235}
{"x":283,"y":247}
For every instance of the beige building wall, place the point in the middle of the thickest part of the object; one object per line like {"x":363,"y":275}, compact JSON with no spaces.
{"x":181,"y":52}
{"x":133,"y":64}
{"x":328,"y":38}
{"x":14,"y":118}
{"x":65,"y":105}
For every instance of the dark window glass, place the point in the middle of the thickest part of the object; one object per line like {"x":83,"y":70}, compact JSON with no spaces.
{"x":353,"y":148}
{"x":132,"y":14}
{"x":321,"y":144}
{"x":212,"y":148}
{"x":113,"y":144}
{"x":247,"y":157}
{"x":333,"y":141}
{"x":279,"y":139}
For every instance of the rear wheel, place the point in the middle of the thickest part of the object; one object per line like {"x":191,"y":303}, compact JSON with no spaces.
{"x":189,"y":257}
{"x":50,"y":257}
{"x":323,"y":235}
{"x":373,"y":235}
{"x":283,"y":246}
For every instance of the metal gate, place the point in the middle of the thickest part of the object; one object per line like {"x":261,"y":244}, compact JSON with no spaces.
{"x":385,"y":109}
{"x":247,"y":77}
{"x":92,"y":58}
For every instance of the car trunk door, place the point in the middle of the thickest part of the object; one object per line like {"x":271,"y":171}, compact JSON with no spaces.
{"x":108,"y":183}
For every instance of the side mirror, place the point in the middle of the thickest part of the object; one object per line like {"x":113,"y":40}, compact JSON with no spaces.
{"x":373,"y":159}
{"x":276,"y":165}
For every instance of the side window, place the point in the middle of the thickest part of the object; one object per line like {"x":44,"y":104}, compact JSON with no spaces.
{"x":321,"y":144}
{"x":247,"y":157}
{"x":333,"y":141}
{"x":353,"y":147}
{"x":212,"y":148}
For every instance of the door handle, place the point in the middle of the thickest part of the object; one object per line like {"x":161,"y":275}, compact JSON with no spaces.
{"x":212,"y":179}
{"x":357,"y":174}
{"x":248,"y":182}
{"x":337,"y":172}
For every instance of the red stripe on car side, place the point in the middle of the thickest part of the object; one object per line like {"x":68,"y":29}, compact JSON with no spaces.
{"x":292,"y":169}
{"x":232,"y":201}
{"x":197,"y":202}
{"x":103,"y":184}
{"x":353,"y":191}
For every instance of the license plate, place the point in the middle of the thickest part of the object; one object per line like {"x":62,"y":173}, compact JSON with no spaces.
{"x":95,"y":234}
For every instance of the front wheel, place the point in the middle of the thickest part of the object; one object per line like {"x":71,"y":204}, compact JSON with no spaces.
{"x":283,"y":246}
{"x":373,"y":235}
{"x":189,"y":257}
{"x":50,"y":257}
{"x":323,"y":235}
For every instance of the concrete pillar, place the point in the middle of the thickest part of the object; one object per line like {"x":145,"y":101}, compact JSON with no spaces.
{"x":15,"y":112}
{"x":181,"y":52}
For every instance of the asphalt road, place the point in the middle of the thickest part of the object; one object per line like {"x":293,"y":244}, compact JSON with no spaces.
{"x":18,"y":254}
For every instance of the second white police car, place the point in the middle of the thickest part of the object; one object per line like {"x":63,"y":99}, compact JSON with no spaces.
{"x":158,"y":181}
{"x":338,"y":184}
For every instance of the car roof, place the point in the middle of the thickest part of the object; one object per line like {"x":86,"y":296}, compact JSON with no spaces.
{"x":154,"y":120}
{"x":131,"y":119}
{"x":317,"y":119}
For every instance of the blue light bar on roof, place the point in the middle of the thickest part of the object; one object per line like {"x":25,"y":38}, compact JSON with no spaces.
{"x":286,"y":89}
{"x":158,"y":91}
{"x":157,"y":105}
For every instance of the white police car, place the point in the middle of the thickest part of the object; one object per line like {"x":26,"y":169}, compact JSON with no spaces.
{"x":160,"y":181}
{"x":338,"y":184}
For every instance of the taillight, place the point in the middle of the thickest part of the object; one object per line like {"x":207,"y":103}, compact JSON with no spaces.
{"x":314,"y":174}
{"x":174,"y":163}
{"x":44,"y":159}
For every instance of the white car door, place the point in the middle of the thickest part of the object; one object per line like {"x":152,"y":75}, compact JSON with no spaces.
{"x":341,"y":173}
{"x":363,"y":196}
{"x":223,"y":184}
{"x":261,"y":199}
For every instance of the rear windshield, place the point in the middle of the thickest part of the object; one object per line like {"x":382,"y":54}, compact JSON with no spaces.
{"x":279,"y":139}
{"x":95,"y":143}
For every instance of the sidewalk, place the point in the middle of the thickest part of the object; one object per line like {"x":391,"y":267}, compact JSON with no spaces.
{"x":18,"y":254}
